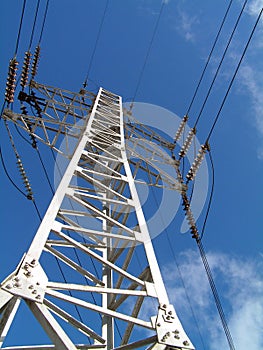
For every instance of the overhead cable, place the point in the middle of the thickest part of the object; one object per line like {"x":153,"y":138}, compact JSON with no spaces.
{"x":220,"y":63}
{"x":96,"y":43}
{"x":208,"y":59}
{"x":44,"y":22}
{"x":234,"y":75}
{"x":147,"y":54}
{"x":20,"y":27}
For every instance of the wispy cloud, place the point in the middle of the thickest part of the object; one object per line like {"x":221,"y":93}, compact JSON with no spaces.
{"x":252,"y":81}
{"x":186,"y":24}
{"x":241,"y":286}
{"x":254,"y":7}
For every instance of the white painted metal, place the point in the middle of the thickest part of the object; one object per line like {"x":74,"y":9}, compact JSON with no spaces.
{"x":98,"y":233}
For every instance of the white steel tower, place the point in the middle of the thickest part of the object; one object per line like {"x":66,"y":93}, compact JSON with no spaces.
{"x":114,"y":296}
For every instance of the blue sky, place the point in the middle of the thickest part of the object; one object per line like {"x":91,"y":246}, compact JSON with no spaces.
{"x":186,"y":31}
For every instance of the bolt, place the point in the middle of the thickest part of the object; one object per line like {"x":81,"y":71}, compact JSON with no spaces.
{"x":158,"y":324}
{"x":170,"y":312}
{"x":31,"y":287}
{"x":34,"y":291}
{"x":176,"y":336}
{"x":17,"y":284}
{"x":38,"y":296}
{"x":16,"y":279}
{"x":37,"y":283}
{"x":164,"y":306}
{"x":26,"y":266}
{"x":33,"y":261}
{"x":9,"y":286}
{"x":168,"y":334}
{"x":186,"y":343}
{"x":28,"y":274}
{"x":176,"y":331}
{"x":168,"y":317}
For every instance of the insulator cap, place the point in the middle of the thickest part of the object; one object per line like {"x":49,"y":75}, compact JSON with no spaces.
{"x":197,"y":162}
{"x":180,"y":128}
{"x":35,"y":61}
{"x":189,"y":217}
{"x":25,"y":71}
{"x":187,"y":142}
{"x":11,"y":81}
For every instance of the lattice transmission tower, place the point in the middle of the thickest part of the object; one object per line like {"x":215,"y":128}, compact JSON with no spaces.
{"x":114,"y":296}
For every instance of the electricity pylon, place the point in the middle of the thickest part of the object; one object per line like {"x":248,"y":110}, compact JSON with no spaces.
{"x":113,"y":296}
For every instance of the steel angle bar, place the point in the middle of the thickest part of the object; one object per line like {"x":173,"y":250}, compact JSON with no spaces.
{"x":79,"y":191}
{"x":95,"y":289}
{"x":118,"y":250}
{"x":73,"y":212}
{"x":130,"y":326}
{"x":125,"y":266}
{"x":117,"y":302}
{"x":120,"y":177}
{"x":73,"y":265}
{"x":51,"y":326}
{"x":73,"y":321}
{"x":103,"y":150}
{"x":8,"y":314}
{"x":60,"y":243}
{"x":52,"y":347}
{"x":101,"y":259}
{"x":91,"y":233}
{"x":138,"y":344}
{"x":99,"y":309}
{"x":174,"y":183}
{"x":95,"y":156}
{"x":102,"y":214}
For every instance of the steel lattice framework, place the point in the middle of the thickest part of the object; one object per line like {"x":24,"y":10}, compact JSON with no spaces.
{"x":114,"y":295}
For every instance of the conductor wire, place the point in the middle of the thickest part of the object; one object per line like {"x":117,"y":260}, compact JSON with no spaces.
{"x":234,"y":75}
{"x":220,"y":63}
{"x":208,"y":59}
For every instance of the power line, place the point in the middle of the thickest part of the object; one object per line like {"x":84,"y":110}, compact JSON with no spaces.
{"x":147,"y":54}
{"x":44,"y":22}
{"x":209,"y":57}
{"x":211,"y":194}
{"x":34,"y":24}
{"x":8,"y":175}
{"x":96,"y":43}
{"x":234,"y":76}
{"x":20,"y":27}
{"x":220,"y":64}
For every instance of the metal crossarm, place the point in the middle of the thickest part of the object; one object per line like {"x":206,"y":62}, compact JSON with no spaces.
{"x":96,"y":229}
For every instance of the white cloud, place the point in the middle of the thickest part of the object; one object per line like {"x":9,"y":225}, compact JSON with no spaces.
{"x":254,"y":7}
{"x":252,"y":81}
{"x":240,"y":286}
{"x":186,"y":25}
